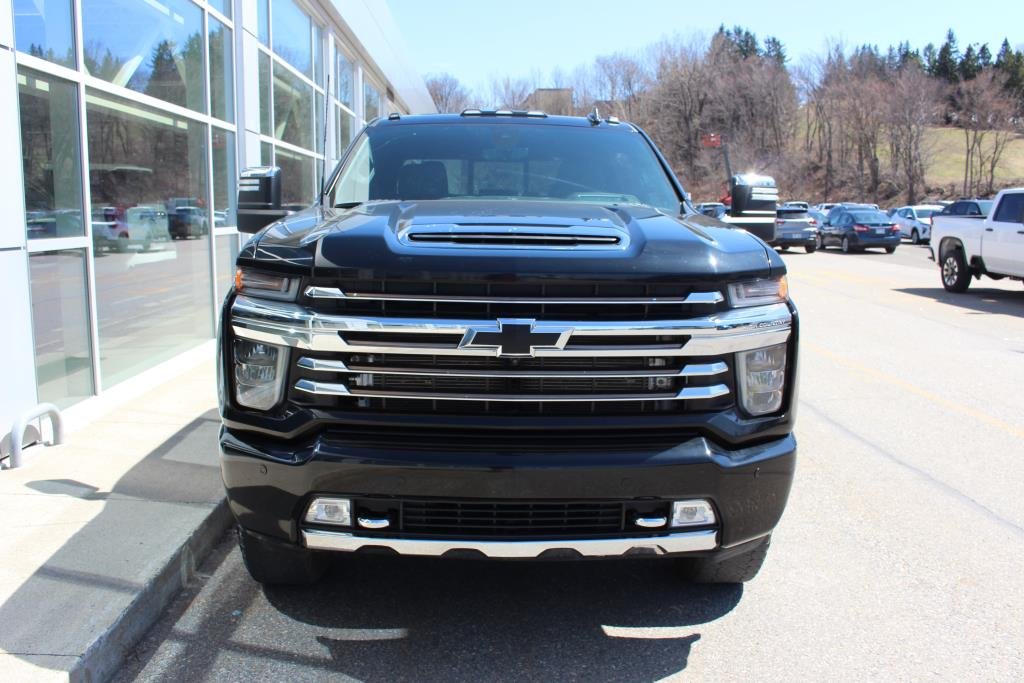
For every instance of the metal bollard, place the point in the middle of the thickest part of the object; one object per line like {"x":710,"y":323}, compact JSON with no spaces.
{"x":20,"y":424}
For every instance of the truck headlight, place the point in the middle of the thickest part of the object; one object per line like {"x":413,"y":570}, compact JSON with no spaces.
{"x":259,"y":373}
{"x":762,"y":377}
{"x":265,"y":285}
{"x":758,"y":292}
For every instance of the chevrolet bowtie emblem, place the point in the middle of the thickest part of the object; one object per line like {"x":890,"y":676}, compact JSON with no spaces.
{"x":516,"y":337}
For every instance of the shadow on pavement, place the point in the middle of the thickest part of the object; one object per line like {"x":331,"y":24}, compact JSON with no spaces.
{"x":379,"y":618}
{"x":977,"y":299}
{"x":100,"y":574}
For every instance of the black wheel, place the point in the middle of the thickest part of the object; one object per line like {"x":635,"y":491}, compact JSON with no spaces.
{"x":811,"y":248}
{"x":271,"y":561}
{"x":915,"y":237}
{"x":890,"y":250}
{"x":846,"y":245}
{"x":956,"y":274}
{"x":819,"y":242}
{"x":784,"y":248}
{"x":735,"y":569}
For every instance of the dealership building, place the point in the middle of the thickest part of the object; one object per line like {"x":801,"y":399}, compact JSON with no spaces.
{"x":125,"y":125}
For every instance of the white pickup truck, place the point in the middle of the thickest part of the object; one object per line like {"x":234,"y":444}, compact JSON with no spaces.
{"x":973,"y":237}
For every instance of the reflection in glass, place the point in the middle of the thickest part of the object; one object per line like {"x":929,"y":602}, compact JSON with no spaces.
{"x":297,"y":178}
{"x":343,"y":127}
{"x":318,"y":55}
{"x":222,"y":91}
{"x":371,"y":102}
{"x":293,"y":108}
{"x":44,"y":29}
{"x":222,"y":6}
{"x":153,"y":47}
{"x":227,"y":253}
{"x":292,"y":35}
{"x":225,"y":177}
{"x":50,"y":150}
{"x":266,"y":114}
{"x":343,"y":78}
{"x":60,"y":325}
{"x":263,"y":21}
{"x":318,"y":128}
{"x":266,"y":154}
{"x":147,"y":172}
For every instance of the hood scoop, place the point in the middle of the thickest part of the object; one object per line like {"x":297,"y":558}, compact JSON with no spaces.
{"x":514,"y":236}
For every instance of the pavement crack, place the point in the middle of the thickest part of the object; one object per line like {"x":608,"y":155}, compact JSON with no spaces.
{"x":929,"y":479}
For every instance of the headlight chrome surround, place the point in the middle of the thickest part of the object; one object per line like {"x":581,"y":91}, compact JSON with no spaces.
{"x":758,"y":292}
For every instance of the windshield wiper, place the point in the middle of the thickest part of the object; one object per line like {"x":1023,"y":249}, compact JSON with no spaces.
{"x":347,"y":205}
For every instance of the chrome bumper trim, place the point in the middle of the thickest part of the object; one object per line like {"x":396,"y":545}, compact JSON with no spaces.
{"x":682,"y":542}
{"x":314,"y":292}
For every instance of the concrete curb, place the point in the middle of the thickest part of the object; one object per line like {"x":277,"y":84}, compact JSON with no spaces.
{"x":106,"y":654}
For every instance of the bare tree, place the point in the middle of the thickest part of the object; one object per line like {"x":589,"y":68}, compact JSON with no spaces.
{"x":982,"y":108}
{"x":510,"y":93}
{"x":448,"y":94}
{"x":912,"y":108}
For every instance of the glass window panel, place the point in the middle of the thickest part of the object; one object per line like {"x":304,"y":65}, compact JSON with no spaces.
{"x":51,"y":155}
{"x":266,"y":90}
{"x":222,"y":6}
{"x":343,"y":78}
{"x":292,"y":35}
{"x":222,"y":91}
{"x":318,"y":129}
{"x":60,"y":322}
{"x":293,"y":108}
{"x":266,"y":153}
{"x":318,"y":56}
{"x":153,"y":47}
{"x":45,"y":29}
{"x":225,"y":179}
{"x":151,"y":225}
{"x":371,"y":102}
{"x":343,"y":131}
{"x":297,"y":178}
{"x":227,"y":254}
{"x":263,"y":21}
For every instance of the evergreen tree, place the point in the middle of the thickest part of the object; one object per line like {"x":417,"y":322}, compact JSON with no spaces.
{"x":774,"y":50}
{"x":929,"y":59}
{"x":984,"y":56}
{"x":969,"y":66}
{"x":947,"y":65}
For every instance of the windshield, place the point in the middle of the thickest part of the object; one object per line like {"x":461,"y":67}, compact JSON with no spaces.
{"x":927,"y":213}
{"x":504,"y":161}
{"x":869,"y":217}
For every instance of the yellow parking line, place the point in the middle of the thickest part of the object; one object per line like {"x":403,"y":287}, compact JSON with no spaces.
{"x":914,"y":389}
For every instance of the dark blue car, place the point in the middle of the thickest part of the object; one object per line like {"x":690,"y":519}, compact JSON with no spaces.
{"x":859,"y":229}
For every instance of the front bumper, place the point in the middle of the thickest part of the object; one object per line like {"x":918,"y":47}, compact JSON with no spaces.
{"x":748,"y":487}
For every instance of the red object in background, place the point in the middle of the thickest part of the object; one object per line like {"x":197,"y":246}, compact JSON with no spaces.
{"x":711,"y":140}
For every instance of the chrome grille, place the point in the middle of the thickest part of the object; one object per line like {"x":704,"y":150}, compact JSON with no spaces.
{"x":434,"y":364}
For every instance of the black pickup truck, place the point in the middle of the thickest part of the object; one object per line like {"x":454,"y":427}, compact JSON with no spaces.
{"x":504,"y":335}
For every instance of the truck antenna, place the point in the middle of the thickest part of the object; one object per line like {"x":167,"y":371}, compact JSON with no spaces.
{"x":327,"y":112}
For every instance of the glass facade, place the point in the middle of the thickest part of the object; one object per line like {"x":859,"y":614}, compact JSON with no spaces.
{"x":131,"y":146}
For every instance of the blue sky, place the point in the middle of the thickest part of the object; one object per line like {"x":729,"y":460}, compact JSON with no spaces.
{"x":477,"y":39}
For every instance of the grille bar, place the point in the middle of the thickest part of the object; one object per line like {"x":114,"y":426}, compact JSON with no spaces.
{"x":331,"y":365}
{"x":691,"y":298}
{"x":337,"y":389}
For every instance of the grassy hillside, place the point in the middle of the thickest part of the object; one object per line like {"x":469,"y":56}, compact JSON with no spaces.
{"x":947,"y":167}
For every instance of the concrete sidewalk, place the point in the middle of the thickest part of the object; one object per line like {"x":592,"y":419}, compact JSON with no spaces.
{"x":101,"y":532}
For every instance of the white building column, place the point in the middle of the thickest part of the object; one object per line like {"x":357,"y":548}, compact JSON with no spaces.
{"x":17,"y":359}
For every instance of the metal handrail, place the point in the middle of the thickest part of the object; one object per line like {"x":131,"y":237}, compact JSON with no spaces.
{"x":21,"y":424}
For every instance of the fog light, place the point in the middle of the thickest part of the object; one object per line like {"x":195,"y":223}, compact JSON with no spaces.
{"x":692,"y":513}
{"x":336,"y":511}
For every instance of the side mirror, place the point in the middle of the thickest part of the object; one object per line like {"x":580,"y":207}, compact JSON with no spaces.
{"x":259,"y":198}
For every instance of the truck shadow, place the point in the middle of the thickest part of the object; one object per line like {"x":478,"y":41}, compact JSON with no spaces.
{"x":465,"y":619}
{"x":977,"y":299}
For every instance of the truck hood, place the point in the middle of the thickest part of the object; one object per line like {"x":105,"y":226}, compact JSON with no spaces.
{"x":455,"y":239}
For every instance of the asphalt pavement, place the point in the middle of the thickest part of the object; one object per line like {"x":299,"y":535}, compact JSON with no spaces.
{"x":900,"y":554}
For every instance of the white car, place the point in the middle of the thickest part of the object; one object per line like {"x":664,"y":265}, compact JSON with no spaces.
{"x":975,"y":237}
{"x":915,"y":221}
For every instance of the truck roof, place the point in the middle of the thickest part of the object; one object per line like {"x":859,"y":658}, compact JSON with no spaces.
{"x":506,"y":117}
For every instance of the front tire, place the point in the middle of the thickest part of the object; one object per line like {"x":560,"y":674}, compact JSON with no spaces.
{"x":956,"y":274}
{"x":811,"y":248}
{"x":890,"y":250}
{"x":271,"y":561}
{"x":915,"y":237}
{"x":846,"y":245}
{"x":736,"y":569}
{"x":819,"y":242}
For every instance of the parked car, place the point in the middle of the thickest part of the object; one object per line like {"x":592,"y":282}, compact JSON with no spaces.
{"x":824,"y":207}
{"x":915,"y":221}
{"x":857,"y":229}
{"x":967,"y":245}
{"x":713,"y":209}
{"x":840,"y":207}
{"x":117,"y":229}
{"x":795,"y":228}
{"x":189,"y":221}
{"x":415,"y":366}
{"x":796,"y":205}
